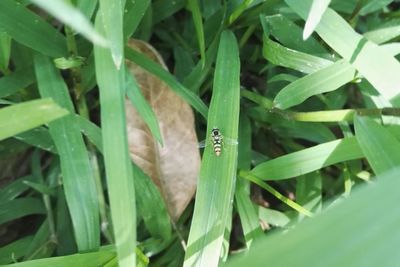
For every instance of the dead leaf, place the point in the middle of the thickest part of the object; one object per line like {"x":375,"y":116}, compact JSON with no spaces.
{"x":174,"y":168}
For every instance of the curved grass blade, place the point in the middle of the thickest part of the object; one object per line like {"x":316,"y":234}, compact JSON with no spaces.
{"x":318,"y":8}
{"x":121,"y":191}
{"x":161,"y":73}
{"x":379,"y":67}
{"x":20,"y":207}
{"x":309,"y":159}
{"x":15,"y":250}
{"x":322,"y":81}
{"x":217,"y":173}
{"x":383,"y":35}
{"x":134,"y":12}
{"x":21,"y":117}
{"x":374,"y":246}
{"x":72,"y":17}
{"x":78,"y":180}
{"x":380,"y":147}
{"x":30,"y":29}
{"x":17,"y":80}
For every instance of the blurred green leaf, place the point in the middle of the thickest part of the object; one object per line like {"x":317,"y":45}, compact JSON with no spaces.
{"x":17,"y":80}
{"x":14,"y":250}
{"x":21,"y":117}
{"x":20,"y":207}
{"x":318,"y":8}
{"x":30,"y":29}
{"x":198,"y":24}
{"x":72,"y":17}
{"x":358,"y":243}
{"x":134,"y":12}
{"x":5,"y":50}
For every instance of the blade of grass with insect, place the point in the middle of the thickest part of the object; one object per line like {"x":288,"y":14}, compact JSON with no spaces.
{"x":30,"y":29}
{"x":373,"y":246}
{"x":72,"y":17}
{"x":318,"y":8}
{"x":379,"y":67}
{"x":169,"y":79}
{"x":217,"y":173}
{"x":121,"y":191}
{"x":380,"y":147}
{"x":21,"y":117}
{"x":78,"y":179}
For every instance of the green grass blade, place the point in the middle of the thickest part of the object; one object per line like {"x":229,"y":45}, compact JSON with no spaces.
{"x":20,"y":207}
{"x":318,"y":8}
{"x":217,"y":174}
{"x":379,"y":67}
{"x":198,"y":24}
{"x":322,"y":81}
{"x":282,"y":56}
{"x":78,"y":180}
{"x":87,"y":7}
{"x":170,"y":80}
{"x":383,"y":35}
{"x":38,"y":137}
{"x":30,"y":29}
{"x":163,"y":9}
{"x":134,"y":12}
{"x":94,"y":259}
{"x":72,"y":17}
{"x":21,"y":117}
{"x":14,"y":189}
{"x":340,"y":227}
{"x":309,"y":159}
{"x":5,"y":50}
{"x":17,"y":80}
{"x":112,"y":19}
{"x":270,"y":189}
{"x":378,"y":144}
{"x":143,"y":108}
{"x":111,"y":82}
{"x":14,"y":250}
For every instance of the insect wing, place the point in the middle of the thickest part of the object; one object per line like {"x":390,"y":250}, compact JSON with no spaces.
{"x":202,"y":144}
{"x":230,"y":141}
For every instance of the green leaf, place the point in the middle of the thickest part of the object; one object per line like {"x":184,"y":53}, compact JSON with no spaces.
{"x":72,"y":17}
{"x":112,"y":20}
{"x":87,"y":7}
{"x":14,"y":189}
{"x":20,"y":207}
{"x":318,"y":8}
{"x":134,"y":12}
{"x":30,"y":29}
{"x":164,"y":9}
{"x":144,"y":109}
{"x":21,"y":117}
{"x":14,"y":250}
{"x":78,"y":180}
{"x":121,"y":191}
{"x":17,"y":80}
{"x":358,"y":244}
{"x":322,"y":81}
{"x":309,"y":159}
{"x":217,"y":173}
{"x":38,"y":137}
{"x":383,"y":35}
{"x":378,"y":144}
{"x":5,"y":50}
{"x":170,"y":80}
{"x":379,"y":67}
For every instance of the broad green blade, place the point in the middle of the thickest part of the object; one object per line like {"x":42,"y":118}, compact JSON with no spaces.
{"x":30,"y":29}
{"x":20,"y":207}
{"x":342,"y":227}
{"x":163,"y":9}
{"x":170,"y":80}
{"x":14,"y":189}
{"x":5,"y":50}
{"x":318,"y":8}
{"x":383,"y":35}
{"x":78,"y":179}
{"x":17,"y":80}
{"x":38,"y":137}
{"x":121,"y":191}
{"x":309,"y":159}
{"x":87,"y":7}
{"x":374,"y":5}
{"x":198,"y":24}
{"x":21,"y":117}
{"x":112,"y":20}
{"x":322,"y":81}
{"x":378,"y":144}
{"x":379,"y":67}
{"x":217,"y":173}
{"x":72,"y":17}
{"x":143,"y":108}
{"x":14,"y":250}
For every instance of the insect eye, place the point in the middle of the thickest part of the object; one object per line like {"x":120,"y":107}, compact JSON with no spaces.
{"x":215,"y":132}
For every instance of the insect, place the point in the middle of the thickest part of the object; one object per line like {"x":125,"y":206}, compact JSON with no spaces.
{"x":218,"y":141}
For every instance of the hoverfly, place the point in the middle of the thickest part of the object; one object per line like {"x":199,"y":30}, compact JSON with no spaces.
{"x":218,"y":141}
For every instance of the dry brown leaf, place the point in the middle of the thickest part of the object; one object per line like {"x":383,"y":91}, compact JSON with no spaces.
{"x":174,"y":168}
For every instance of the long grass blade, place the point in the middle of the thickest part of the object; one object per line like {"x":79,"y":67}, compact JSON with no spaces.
{"x":217,"y":173}
{"x":318,"y":8}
